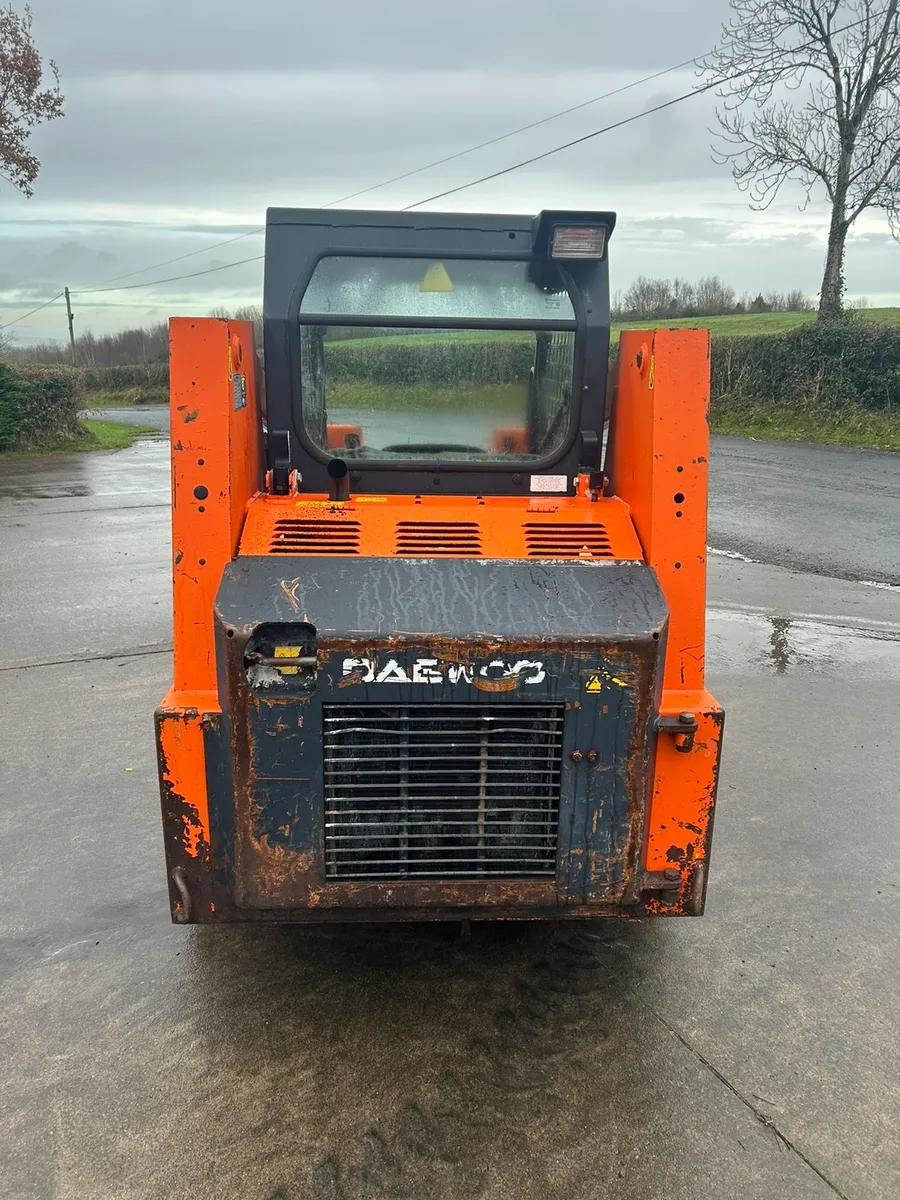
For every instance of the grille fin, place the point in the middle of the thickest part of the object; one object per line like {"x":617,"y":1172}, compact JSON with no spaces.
{"x":547,"y":540}
{"x":435,"y":539}
{"x":429,"y":791}
{"x":295,"y":535}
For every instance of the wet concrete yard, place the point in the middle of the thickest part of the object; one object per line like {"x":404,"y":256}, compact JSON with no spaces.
{"x":752,"y":1053}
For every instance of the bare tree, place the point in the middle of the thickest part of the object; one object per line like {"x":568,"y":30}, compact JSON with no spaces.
{"x":839,"y":134}
{"x":649,"y":297}
{"x":23,"y":102}
{"x":797,"y":301}
{"x":713,"y":297}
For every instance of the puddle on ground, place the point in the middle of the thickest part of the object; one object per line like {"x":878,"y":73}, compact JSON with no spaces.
{"x":787,"y":645}
{"x":141,"y":470}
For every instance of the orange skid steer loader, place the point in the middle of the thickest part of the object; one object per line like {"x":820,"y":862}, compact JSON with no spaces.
{"x":439,"y":640}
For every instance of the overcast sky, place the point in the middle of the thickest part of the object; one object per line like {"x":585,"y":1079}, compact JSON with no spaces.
{"x":186,"y":118}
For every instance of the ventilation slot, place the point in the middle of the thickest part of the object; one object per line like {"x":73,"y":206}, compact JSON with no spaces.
{"x":434,"y":791}
{"x":295,"y":536}
{"x":567,"y":541}
{"x":433,"y":539}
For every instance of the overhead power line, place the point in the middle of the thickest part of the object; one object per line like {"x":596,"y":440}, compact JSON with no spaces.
{"x":696,"y":91}
{"x":526,"y":162}
{"x":439,"y":162}
{"x":178,"y":258}
{"x":127,"y":287}
{"x":364,"y":191}
{"x":46,"y":304}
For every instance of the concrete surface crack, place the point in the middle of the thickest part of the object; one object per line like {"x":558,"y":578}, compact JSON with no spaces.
{"x":757,"y":1112}
{"x":142,"y":652}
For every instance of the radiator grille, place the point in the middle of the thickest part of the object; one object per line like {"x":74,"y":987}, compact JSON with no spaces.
{"x":432,"y":539}
{"x":433,"y":791}
{"x":298,"y":536}
{"x":567,"y":541}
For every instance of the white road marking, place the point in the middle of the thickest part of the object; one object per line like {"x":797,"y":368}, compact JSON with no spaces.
{"x":729,"y":554}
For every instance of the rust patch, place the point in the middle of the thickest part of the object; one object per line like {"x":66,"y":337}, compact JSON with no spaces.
{"x":495,"y":685}
{"x":186,"y":847}
{"x":179,"y":555}
{"x":355,"y":677}
{"x":693,"y":828}
{"x":289,"y":587}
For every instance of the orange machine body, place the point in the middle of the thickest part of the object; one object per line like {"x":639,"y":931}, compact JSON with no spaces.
{"x":652,"y":511}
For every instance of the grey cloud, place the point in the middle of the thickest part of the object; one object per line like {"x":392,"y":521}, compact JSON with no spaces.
{"x":224,"y":35}
{"x":311,"y":141}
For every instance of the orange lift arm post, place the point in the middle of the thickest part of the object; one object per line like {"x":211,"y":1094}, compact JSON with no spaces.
{"x":658,"y":464}
{"x":217,"y":468}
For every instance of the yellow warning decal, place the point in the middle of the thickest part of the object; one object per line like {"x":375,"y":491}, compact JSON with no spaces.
{"x":287,"y":652}
{"x":436,"y":279}
{"x":594,"y":685}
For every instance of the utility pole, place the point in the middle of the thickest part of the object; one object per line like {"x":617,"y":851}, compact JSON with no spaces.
{"x":71,"y":326}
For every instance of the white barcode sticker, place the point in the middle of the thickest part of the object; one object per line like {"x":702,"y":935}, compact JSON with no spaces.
{"x":548,"y":483}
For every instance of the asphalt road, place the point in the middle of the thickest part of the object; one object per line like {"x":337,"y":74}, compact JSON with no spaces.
{"x":822,"y":509}
{"x":753,"y":1054}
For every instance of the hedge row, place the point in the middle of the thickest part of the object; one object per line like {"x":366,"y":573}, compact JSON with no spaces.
{"x":819,"y":366}
{"x":38,"y":406}
{"x":823,"y":367}
{"x":139,"y":375}
{"x":444,"y":360}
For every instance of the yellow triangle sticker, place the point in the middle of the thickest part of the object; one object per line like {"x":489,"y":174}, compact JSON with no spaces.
{"x":593,"y":684}
{"x":436,"y":279}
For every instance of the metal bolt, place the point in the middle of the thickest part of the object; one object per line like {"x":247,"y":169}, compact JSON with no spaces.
{"x":686,"y":718}
{"x":576,"y":756}
{"x":517,"y":478}
{"x":592,"y":755}
{"x":672,"y":873}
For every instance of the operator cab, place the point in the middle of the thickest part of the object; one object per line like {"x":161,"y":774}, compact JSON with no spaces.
{"x":454,"y":353}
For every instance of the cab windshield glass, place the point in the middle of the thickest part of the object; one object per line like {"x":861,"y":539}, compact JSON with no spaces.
{"x":384,"y":392}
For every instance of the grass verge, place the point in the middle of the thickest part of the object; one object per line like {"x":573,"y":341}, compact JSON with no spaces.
{"x":133,"y":397}
{"x":113,"y":435}
{"x":856,"y":427}
{"x":95,"y":435}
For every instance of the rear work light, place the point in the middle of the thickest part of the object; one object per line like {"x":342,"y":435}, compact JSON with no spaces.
{"x":578,"y":241}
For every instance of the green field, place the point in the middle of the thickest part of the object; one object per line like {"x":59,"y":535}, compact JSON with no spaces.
{"x":750,"y":324}
{"x":351,"y":395}
{"x":736,"y":325}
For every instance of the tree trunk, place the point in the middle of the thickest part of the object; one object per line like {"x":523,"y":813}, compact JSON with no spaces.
{"x":831,"y":298}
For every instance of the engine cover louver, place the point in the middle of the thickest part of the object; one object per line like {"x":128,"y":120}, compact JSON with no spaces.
{"x":547,"y":540}
{"x":297,"y":536}
{"x":435,"y":539}
{"x":430,"y":791}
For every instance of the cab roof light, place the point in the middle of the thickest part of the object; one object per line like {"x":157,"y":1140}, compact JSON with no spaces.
{"x":578,"y":241}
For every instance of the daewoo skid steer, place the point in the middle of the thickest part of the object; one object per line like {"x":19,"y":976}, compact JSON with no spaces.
{"x":439,"y":640}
